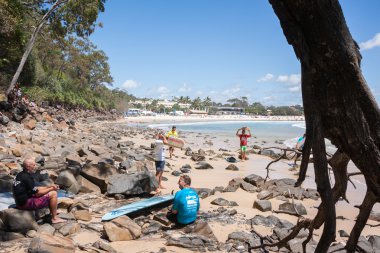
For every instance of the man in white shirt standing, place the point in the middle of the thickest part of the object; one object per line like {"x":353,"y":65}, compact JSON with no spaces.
{"x":159,"y":157}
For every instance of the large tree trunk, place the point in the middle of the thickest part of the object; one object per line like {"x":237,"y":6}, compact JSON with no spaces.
{"x":30,"y":44}
{"x":335,"y":95}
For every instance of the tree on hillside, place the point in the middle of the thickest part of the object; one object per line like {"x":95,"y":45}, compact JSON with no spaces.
{"x":64,"y":17}
{"x":338,"y":106}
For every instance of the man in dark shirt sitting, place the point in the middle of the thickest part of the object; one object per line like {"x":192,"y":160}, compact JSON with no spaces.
{"x":28,"y":196}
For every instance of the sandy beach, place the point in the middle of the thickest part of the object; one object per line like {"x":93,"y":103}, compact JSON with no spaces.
{"x":256,"y":165}
{"x":216,"y":148}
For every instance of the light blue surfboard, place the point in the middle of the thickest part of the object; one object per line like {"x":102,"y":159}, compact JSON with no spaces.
{"x":135,"y":206}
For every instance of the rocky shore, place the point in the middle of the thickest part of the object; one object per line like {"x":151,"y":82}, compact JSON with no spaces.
{"x":108,"y":164}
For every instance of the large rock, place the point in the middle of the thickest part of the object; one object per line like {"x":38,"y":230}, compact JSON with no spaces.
{"x":6,"y":182}
{"x":246,"y":237}
{"x":248,"y":187}
{"x":203,"y":166}
{"x":98,"y":150}
{"x":122,"y":229}
{"x":46,"y":228}
{"x":203,"y":228}
{"x":98,"y":174}
{"x":220,"y":202}
{"x":291,"y":208}
{"x":74,"y":160}
{"x":233,"y":185}
{"x":30,"y":124}
{"x":265,"y":195}
{"x":204,"y":192}
{"x":269,"y":221}
{"x":232,"y":167}
{"x":141,"y":182}
{"x":86,"y":185}
{"x":69,"y":228}
{"x":4,"y":120}
{"x":375,"y":242}
{"x":16,"y":220}
{"x":262,"y":205}
{"x":254,"y":179}
{"x":197,"y":158}
{"x":51,"y":244}
{"x":83,"y":215}
{"x":68,"y":181}
{"x":375,"y":216}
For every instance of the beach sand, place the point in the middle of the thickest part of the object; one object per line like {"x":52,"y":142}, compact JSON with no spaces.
{"x":220,"y":177}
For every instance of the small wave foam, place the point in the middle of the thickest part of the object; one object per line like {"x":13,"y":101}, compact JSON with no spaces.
{"x":300,"y":125}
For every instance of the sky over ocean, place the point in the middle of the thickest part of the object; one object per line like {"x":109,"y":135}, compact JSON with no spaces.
{"x":221,"y":49}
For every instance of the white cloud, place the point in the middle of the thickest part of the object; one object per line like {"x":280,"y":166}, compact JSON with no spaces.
{"x":163,"y":90}
{"x":266,"y":78}
{"x":184,"y":88}
{"x":295,"y":88}
{"x":130,"y":84}
{"x":199,"y":93}
{"x":267,"y":98}
{"x":291,"y":79}
{"x":369,"y":44}
{"x":231,"y":91}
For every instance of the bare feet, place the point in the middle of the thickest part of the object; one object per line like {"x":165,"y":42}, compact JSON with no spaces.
{"x":57,"y":220}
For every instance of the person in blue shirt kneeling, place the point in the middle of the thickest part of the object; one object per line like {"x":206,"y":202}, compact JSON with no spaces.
{"x":186,"y":203}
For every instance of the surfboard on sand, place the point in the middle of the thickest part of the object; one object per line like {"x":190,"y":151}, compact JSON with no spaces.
{"x":175,"y":142}
{"x":135,"y":206}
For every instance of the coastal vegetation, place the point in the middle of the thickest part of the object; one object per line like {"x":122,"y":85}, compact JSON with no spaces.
{"x":185,"y":103}
{"x":64,"y":67}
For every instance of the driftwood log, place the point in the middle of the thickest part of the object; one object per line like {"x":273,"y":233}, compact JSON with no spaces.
{"x":338,"y":105}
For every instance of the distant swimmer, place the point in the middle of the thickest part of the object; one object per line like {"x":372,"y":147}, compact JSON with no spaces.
{"x":172,"y":133}
{"x":243,"y":141}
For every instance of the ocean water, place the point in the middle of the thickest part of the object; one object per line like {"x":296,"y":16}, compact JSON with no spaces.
{"x":286,"y":131}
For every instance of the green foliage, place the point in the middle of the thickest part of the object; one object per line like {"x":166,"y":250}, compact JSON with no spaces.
{"x":64,"y":66}
{"x":65,"y":92}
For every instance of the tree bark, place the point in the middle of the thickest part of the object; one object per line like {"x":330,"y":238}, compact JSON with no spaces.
{"x":30,"y":44}
{"x":335,"y":94}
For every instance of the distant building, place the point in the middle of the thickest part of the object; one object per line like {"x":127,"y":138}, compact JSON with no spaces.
{"x":169,"y":104}
{"x":199,"y":112}
{"x":227,"y":110}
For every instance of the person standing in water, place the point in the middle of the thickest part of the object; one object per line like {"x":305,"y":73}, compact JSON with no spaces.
{"x":243,"y":140}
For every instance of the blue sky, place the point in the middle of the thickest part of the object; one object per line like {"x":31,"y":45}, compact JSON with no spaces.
{"x":217,"y":48}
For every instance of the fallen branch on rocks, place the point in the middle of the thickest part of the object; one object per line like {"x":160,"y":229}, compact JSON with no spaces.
{"x":302,"y":223}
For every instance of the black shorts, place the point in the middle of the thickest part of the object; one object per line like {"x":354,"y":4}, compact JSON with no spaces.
{"x":160,"y":165}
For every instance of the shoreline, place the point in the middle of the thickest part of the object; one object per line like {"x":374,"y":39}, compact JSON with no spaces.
{"x":211,"y":118}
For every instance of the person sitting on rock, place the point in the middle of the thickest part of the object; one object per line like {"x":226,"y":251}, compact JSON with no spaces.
{"x":28,"y":196}
{"x":186,"y":203}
